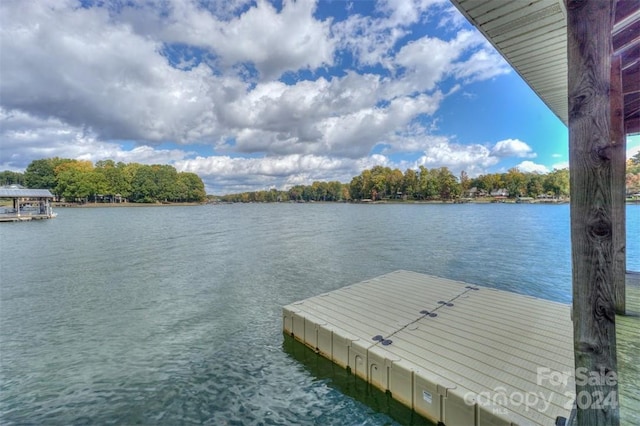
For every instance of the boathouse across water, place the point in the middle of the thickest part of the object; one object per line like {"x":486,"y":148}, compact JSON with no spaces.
{"x":26,"y":204}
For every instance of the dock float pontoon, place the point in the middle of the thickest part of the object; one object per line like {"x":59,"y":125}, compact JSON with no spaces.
{"x":456,"y":353}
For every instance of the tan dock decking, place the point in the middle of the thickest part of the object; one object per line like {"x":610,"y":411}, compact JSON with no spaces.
{"x":7,"y":217}
{"x":628,"y":343}
{"x":483,"y":357}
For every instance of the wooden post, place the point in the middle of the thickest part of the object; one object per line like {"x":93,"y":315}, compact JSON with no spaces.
{"x":618,"y":162}
{"x":589,"y":24}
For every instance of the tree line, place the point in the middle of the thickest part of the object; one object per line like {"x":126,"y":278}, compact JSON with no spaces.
{"x":383,"y":183}
{"x":108,"y":181}
{"x":633,"y":174}
{"x":77,"y":180}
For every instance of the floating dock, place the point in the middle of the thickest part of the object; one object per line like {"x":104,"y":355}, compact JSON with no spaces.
{"x":628,"y":345}
{"x":461,"y":354}
{"x":455,"y":353}
{"x":25,"y":218}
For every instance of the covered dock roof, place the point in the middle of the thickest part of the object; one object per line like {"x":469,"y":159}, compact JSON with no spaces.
{"x":20,"y":192}
{"x":27,"y":204}
{"x":532,"y":37}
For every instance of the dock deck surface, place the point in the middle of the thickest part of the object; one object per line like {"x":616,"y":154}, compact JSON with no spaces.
{"x":455,"y":353}
{"x":628,"y":345}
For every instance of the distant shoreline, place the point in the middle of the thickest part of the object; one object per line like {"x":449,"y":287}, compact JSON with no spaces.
{"x":406,"y":202}
{"x":58,"y":205}
{"x":479,"y":201}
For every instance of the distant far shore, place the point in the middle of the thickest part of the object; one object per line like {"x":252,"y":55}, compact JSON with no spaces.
{"x":400,"y":201}
{"x":388,"y":201}
{"x":99,"y":205}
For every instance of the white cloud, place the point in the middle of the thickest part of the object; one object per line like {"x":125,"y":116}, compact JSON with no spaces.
{"x":25,"y":138}
{"x":474,"y":159}
{"x":531,"y":167}
{"x":373,"y":39}
{"x":559,"y":166}
{"x":512,"y":148}
{"x":69,"y":63}
{"x":416,"y":138}
{"x":451,"y":18}
{"x":428,"y":59}
{"x":118,"y":79}
{"x":272,"y":41}
{"x":633,"y":145}
{"x":483,"y":64}
{"x":405,"y":12}
{"x":223,"y":174}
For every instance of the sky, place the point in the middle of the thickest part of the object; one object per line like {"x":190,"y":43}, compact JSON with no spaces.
{"x":254,"y":95}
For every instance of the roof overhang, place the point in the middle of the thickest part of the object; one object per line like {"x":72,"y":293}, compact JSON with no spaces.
{"x":24,"y":193}
{"x":532,"y":37}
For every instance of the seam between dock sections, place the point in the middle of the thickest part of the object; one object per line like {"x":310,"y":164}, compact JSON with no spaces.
{"x":440,"y":350}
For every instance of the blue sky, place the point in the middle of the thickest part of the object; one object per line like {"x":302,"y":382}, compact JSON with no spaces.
{"x":256,"y":94}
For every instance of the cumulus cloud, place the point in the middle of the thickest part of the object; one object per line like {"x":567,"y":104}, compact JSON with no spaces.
{"x":279,"y":95}
{"x":531,"y":167}
{"x":76,"y":65}
{"x":512,"y":148}
{"x":428,"y":59}
{"x":560,"y":166}
{"x":273,"y":41}
{"x":406,"y":12}
{"x":25,"y":138}
{"x":372,"y":39}
{"x":223,"y":174}
{"x":451,"y":19}
{"x":473,"y":159}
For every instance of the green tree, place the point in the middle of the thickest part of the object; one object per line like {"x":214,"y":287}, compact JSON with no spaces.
{"x":447,"y":184}
{"x":632,"y":177}
{"x":11,"y":178}
{"x":395,"y":180}
{"x":143,"y":186}
{"x":465,"y":182}
{"x":295,"y":193}
{"x":356,"y":188}
{"x":41,"y":173}
{"x":535,"y":185}
{"x":489,"y":182}
{"x":165,"y":178}
{"x":410,"y":183}
{"x":319,"y":191}
{"x":633,"y":164}
{"x":427,"y":183}
{"x":191,"y":187}
{"x":346,"y":194}
{"x":76,"y":180}
{"x":367,"y":184}
{"x":114,"y":177}
{"x":334,"y":191}
{"x":515,"y":182}
{"x":308,"y":193}
{"x":557,"y":182}
{"x":379,"y":182}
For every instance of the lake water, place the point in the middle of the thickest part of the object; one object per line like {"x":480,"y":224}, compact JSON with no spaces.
{"x":172,"y":315}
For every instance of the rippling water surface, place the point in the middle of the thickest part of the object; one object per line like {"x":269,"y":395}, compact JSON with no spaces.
{"x":172,"y":315}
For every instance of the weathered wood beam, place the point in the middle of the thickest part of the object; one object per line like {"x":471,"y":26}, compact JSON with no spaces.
{"x":589,"y":50}
{"x":618,"y":185}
